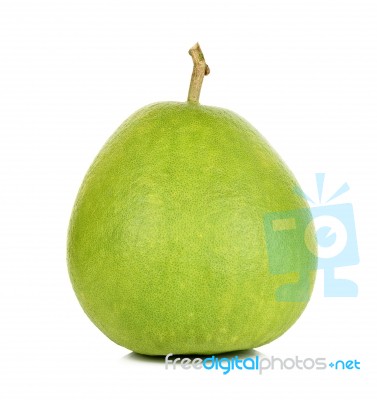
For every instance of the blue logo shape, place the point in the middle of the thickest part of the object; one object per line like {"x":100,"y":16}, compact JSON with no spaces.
{"x":336,"y":241}
{"x":324,"y":236}
{"x":288,"y":252}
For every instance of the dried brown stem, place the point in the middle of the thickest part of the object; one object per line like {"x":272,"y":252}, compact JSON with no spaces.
{"x":200,"y":69}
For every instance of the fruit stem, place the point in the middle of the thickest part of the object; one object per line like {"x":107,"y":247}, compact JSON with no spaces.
{"x":200,"y":69}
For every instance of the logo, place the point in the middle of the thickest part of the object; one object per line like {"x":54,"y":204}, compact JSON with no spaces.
{"x":334,"y":225}
{"x":258,"y":363}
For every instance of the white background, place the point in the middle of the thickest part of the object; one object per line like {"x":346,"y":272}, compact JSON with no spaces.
{"x":302,"y":72}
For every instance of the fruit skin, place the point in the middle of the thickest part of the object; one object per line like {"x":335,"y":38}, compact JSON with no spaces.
{"x":167,"y":247}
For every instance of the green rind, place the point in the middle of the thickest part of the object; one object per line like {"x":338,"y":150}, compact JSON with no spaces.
{"x":167,"y":246}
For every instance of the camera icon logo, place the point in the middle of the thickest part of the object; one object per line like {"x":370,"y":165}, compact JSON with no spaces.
{"x":336,"y":245}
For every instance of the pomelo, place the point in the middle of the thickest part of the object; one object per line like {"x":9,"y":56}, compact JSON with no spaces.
{"x":173,"y":245}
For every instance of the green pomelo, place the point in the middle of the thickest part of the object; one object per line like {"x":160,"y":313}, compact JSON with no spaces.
{"x":187,"y":235}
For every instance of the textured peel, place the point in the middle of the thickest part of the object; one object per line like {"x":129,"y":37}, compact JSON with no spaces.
{"x":167,"y":246}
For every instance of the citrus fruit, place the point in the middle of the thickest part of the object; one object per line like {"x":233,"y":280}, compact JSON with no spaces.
{"x":188,"y":235}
